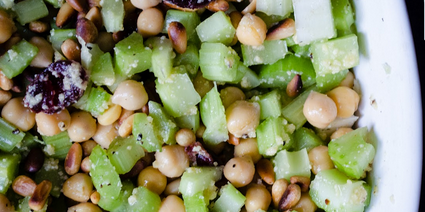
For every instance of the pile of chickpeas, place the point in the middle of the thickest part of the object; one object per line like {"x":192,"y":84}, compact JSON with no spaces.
{"x":160,"y":172}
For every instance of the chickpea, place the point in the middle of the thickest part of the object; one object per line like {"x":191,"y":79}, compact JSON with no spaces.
{"x":243,"y":118}
{"x":319,"y":110}
{"x":257,"y":198}
{"x":85,"y":207}
{"x":95,"y":197}
{"x":171,"y":161}
{"x":251,"y":30}
{"x":340,"y":132}
{"x":152,"y":179}
{"x":200,"y":132}
{"x":131,"y":95}
{"x":5,"y":96}
{"x":185,"y":137}
{"x":16,"y":113}
{"x":110,"y":115}
{"x":5,"y":205}
{"x":52,"y":124}
{"x":348,"y":81}
{"x":320,"y":159}
{"x":305,"y":204}
{"x":78,"y":187}
{"x":239,"y":171}
{"x":172,"y":203}
{"x":346,"y":100}
{"x":173,"y":187}
{"x":150,"y":22}
{"x":44,"y":56}
{"x":86,"y":165}
{"x":5,"y":83}
{"x":145,"y":4}
{"x":248,"y":148}
{"x":278,"y":188}
{"x":105,"y":135}
{"x":7,"y":26}
{"x":231,"y":94}
{"x":82,"y":127}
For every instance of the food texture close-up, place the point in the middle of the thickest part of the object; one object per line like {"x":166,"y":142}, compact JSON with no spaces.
{"x":190,"y":105}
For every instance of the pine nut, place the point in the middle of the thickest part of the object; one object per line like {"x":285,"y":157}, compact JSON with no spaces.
{"x":110,"y":115}
{"x":178,"y":36}
{"x":303,"y":182}
{"x":5,"y":96}
{"x":95,"y":16}
{"x":126,"y":127}
{"x":278,"y":189}
{"x":86,"y":165}
{"x":79,"y":5}
{"x":233,"y":139}
{"x":86,"y":30}
{"x":23,"y":185}
{"x":78,"y":187}
{"x":5,"y":83}
{"x":39,"y":26}
{"x":294,"y":86}
{"x":71,"y":49}
{"x":7,"y":26}
{"x":290,"y":198}
{"x":85,"y":207}
{"x":281,"y":30}
{"x":44,"y":56}
{"x":218,"y":5}
{"x":250,"y":8}
{"x":65,"y":14}
{"x":40,"y":195}
{"x":124,"y":115}
{"x":73,"y":159}
{"x":87,"y":147}
{"x":305,"y":204}
{"x":265,"y":170}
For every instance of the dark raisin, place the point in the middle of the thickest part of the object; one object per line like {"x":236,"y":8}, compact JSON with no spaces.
{"x":198,"y":155}
{"x":191,"y":4}
{"x":61,"y":84}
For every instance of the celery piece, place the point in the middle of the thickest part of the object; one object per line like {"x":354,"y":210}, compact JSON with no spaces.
{"x":126,"y":190}
{"x":10,"y":136}
{"x":279,"y":74}
{"x":200,"y":179}
{"x":328,"y":81}
{"x":17,"y":59}
{"x":162,"y":56}
{"x":242,"y":69}
{"x":143,"y":200}
{"x":306,"y":138}
{"x":189,"y":121}
{"x":58,"y":145}
{"x":275,"y":7}
{"x":7,"y":4}
{"x":95,"y":100}
{"x":145,"y":131}
{"x":214,"y":118}
{"x":124,"y":153}
{"x":30,"y":10}
{"x":103,"y":71}
{"x":90,"y":54}
{"x":190,"y":58}
{"x":189,"y":20}
{"x":230,"y":200}
{"x":28,"y":142}
{"x":55,"y":3}
{"x":287,"y":164}
{"x":267,"y":53}
{"x":301,"y":51}
{"x":293,"y":111}
{"x":58,"y":36}
{"x":23,"y":205}
{"x":250,"y":80}
{"x":112,"y":15}
{"x":343,"y":14}
{"x":270,"y":20}
{"x":274,"y":134}
{"x":270,"y":104}
{"x":8,"y":169}
{"x":52,"y":170}
{"x":335,"y":55}
{"x":351,"y":154}
{"x":218,"y":62}
{"x":331,"y":190}
{"x":105,"y":179}
{"x":196,"y":203}
{"x":163,"y":122}
{"x":290,"y":42}
{"x":216,"y":29}
{"x":131,"y":56}
{"x":178,"y":95}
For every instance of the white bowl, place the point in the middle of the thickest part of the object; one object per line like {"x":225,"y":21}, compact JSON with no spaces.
{"x":391,"y":103}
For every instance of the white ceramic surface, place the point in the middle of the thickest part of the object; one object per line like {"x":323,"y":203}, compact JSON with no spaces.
{"x":391,"y":103}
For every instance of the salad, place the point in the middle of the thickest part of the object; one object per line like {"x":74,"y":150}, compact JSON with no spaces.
{"x":180,"y":105}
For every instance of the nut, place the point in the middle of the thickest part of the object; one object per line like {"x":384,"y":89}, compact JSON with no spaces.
{"x":45,"y":53}
{"x":5,"y":83}
{"x":250,"y":8}
{"x":23,"y":185}
{"x":94,"y":3}
{"x":126,"y":126}
{"x":294,"y":86}
{"x":265,"y":170}
{"x":39,"y":197}
{"x":233,"y":139}
{"x":88,"y":147}
{"x":39,"y":26}
{"x":71,"y":50}
{"x":95,"y":197}
{"x":86,"y":30}
{"x":95,"y":16}
{"x":79,"y":5}
{"x":290,"y":198}
{"x":86,"y":165}
{"x":145,"y":109}
{"x":34,"y":160}
{"x":283,"y":29}
{"x":73,"y":159}
{"x":278,"y":188}
{"x":137,"y":168}
{"x":235,"y":18}
{"x":218,"y":5}
{"x":65,"y":14}
{"x":303,"y":182}
{"x":5,"y":96}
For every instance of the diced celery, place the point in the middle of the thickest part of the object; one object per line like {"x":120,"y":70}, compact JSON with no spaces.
{"x":189,"y":121}
{"x":287,"y":164}
{"x":10,"y":136}
{"x":189,"y":20}
{"x":124,"y":153}
{"x":126,"y":190}
{"x":214,"y":118}
{"x":28,"y":142}
{"x":162,"y":56}
{"x":30,"y":10}
{"x":23,"y":206}
{"x":216,"y":29}
{"x":190,"y":58}
{"x":250,"y":79}
{"x":335,"y":55}
{"x":270,"y":104}
{"x":218,"y":62}
{"x":196,"y":203}
{"x":274,"y":134}
{"x":131,"y":56}
{"x":331,"y":190}
{"x":90,"y":54}
{"x":105,"y":179}
{"x":275,"y":7}
{"x":58,"y":36}
{"x":306,"y":138}
{"x":55,"y":3}
{"x":343,"y":14}
{"x":17,"y":59}
{"x":270,"y":20}
{"x":6,"y":4}
{"x":95,"y":100}
{"x":103,"y":71}
{"x":58,"y":145}
{"x":351,"y":154}
{"x":293,"y":111}
{"x":52,"y":170}
{"x":112,"y":15}
{"x":178,"y":95}
{"x":279,"y":74}
{"x":163,"y":122}
{"x":230,"y":200}
{"x":143,"y":200}
{"x":145,"y":131}
{"x":8,"y":169}
{"x":267,"y":53}
{"x":328,"y":81}
{"x":200,"y":179}
{"x":301,"y":51}
{"x":290,"y":41}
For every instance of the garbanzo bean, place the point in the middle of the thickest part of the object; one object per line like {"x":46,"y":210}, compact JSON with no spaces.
{"x":305,"y":204}
{"x":251,"y":30}
{"x":248,"y":148}
{"x":185,"y":137}
{"x":239,"y":171}
{"x":243,"y":118}
{"x":348,"y":81}
{"x":131,"y":95}
{"x":5,"y":205}
{"x":320,"y":159}
{"x":257,"y":198}
{"x":105,"y":135}
{"x":44,"y":56}
{"x":150,"y":22}
{"x":346,"y":100}
{"x":7,"y":26}
{"x":319,"y":110}
{"x":82,"y":127}
{"x":52,"y":124}
{"x":171,"y":161}
{"x":126,"y":126}
{"x":231,"y":94}
{"x":172,"y":203}
{"x":5,"y":83}
{"x":16,"y":113}
{"x":84,"y":207}
{"x":5,"y":96}
{"x":340,"y":132}
{"x":152,"y":179}
{"x":145,"y":4}
{"x":78,"y":187}
{"x":86,"y":165}
{"x":172,"y":188}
